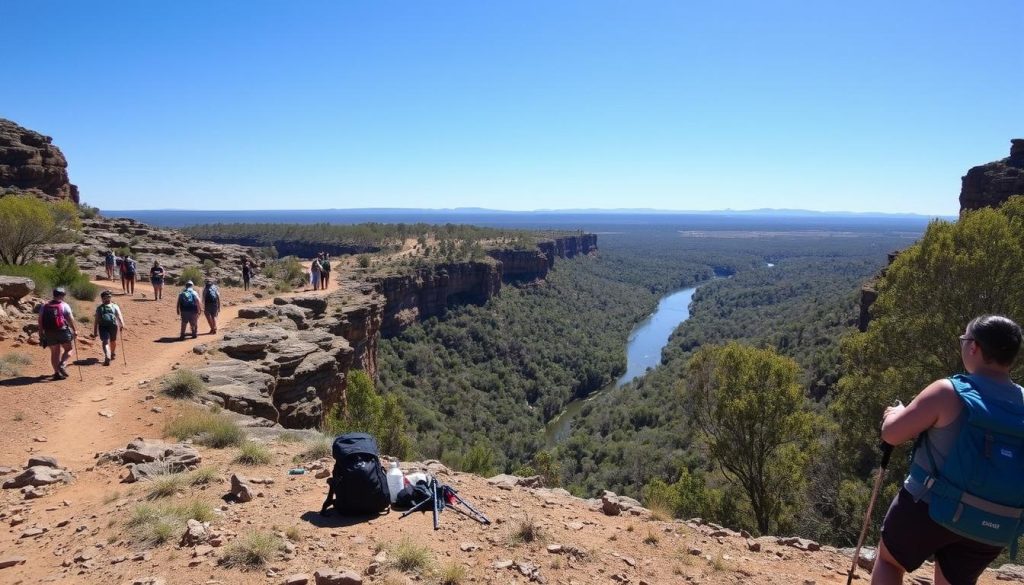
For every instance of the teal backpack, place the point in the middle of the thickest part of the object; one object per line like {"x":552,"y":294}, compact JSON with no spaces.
{"x":107,"y":316}
{"x":979,"y":492}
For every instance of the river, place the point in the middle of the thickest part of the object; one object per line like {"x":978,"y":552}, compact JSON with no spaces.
{"x":643,"y":351}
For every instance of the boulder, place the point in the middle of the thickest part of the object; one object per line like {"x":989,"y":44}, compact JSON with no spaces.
{"x":196,"y":533}
{"x":251,"y":343}
{"x":148,"y":459}
{"x":239,"y":387}
{"x":44,"y":460}
{"x":16,"y":287}
{"x":240,"y":489}
{"x":37,"y":476}
{"x":336,"y":577}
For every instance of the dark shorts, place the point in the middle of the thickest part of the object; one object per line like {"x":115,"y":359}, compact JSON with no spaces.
{"x":156,"y":281}
{"x":57,"y":337}
{"x":912,"y":537}
{"x":213,"y":313}
{"x":107,"y":333}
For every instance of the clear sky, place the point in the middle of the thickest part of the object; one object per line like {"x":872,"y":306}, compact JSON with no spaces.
{"x":875,"y":105}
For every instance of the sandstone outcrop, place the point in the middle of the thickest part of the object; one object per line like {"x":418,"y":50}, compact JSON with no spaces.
{"x":149,"y":459}
{"x":289,"y":365}
{"x":15,"y":287}
{"x":173,"y":249}
{"x":30,"y":163}
{"x":989,"y":185}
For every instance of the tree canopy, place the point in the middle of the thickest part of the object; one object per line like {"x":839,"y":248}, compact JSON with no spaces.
{"x":27,"y":223}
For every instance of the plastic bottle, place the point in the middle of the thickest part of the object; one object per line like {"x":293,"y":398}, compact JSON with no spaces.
{"x":396,"y":480}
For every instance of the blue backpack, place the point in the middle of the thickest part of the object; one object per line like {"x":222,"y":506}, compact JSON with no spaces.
{"x":187,"y":300}
{"x":978,"y":492}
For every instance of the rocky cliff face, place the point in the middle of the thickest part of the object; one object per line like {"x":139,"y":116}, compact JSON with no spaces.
{"x":991,"y":184}
{"x":299,"y":249}
{"x":29,"y":162}
{"x":289,"y":365}
{"x":429,"y":291}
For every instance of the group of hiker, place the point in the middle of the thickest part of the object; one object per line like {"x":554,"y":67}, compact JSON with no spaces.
{"x":320,"y":271}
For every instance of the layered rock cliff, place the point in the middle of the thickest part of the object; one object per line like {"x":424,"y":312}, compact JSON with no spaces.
{"x":294,"y":248}
{"x":429,"y":291}
{"x":29,"y":162}
{"x":990,"y":184}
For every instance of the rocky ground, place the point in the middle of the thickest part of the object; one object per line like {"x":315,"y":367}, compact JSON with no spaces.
{"x":76,"y":529}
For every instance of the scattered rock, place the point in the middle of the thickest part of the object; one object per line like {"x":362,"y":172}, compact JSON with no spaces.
{"x":336,"y":577}
{"x":753,"y":545}
{"x":6,"y":562}
{"x":798,"y":543}
{"x":43,"y":460}
{"x":613,"y":505}
{"x":37,"y":476}
{"x":196,"y":532}
{"x":200,"y":349}
{"x":297,"y":579}
{"x":554,"y":549}
{"x":106,"y":414}
{"x":147,"y":459}
{"x":31,"y":493}
{"x":241,"y":491}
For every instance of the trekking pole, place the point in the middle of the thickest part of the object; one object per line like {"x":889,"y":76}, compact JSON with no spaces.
{"x":78,"y":359}
{"x":124,"y":354}
{"x":886,"y":450}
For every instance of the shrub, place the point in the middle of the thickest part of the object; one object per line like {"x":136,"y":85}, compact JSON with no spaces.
{"x":479,"y":460}
{"x":451,"y":574}
{"x":204,"y":476}
{"x":27,"y":223}
{"x":10,"y":363}
{"x":289,"y":437}
{"x":206,"y":428}
{"x":527,"y":531}
{"x":164,"y":486}
{"x":84,"y":290}
{"x":252,"y":453}
{"x":287,"y":271}
{"x":364,"y":261}
{"x":193,"y":273}
{"x":252,"y":550}
{"x":409,"y":556}
{"x":316,"y":449}
{"x":86,"y":211}
{"x":294,"y":534}
{"x":155,"y":524}
{"x":182,"y":383}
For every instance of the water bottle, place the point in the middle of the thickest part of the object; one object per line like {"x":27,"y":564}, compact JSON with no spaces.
{"x":396,"y":480}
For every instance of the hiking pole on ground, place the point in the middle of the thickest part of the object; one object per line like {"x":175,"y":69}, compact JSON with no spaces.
{"x":886,"y":450}
{"x":78,"y":358}
{"x":451,"y":498}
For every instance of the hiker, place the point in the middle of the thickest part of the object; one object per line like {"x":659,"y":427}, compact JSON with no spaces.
{"x":119,"y":262}
{"x":211,"y":304}
{"x":108,"y":322}
{"x":130,"y":269}
{"x":156,"y":278}
{"x":56,"y":331}
{"x":246,"y":273}
{"x":325,"y":271}
{"x":314,"y":273}
{"x":108,"y":263}
{"x":943,"y":411}
{"x":189,"y":307}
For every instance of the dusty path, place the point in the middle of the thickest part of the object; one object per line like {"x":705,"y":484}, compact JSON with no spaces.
{"x":66,"y":413}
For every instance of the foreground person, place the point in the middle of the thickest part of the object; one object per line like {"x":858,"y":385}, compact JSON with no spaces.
{"x":108,"y":323}
{"x":56,"y":331}
{"x":971,"y":430}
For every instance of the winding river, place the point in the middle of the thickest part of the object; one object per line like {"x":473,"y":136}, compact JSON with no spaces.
{"x":643,"y":351}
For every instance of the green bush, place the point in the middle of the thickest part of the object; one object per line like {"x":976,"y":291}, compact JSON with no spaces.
{"x":28,"y":223}
{"x":182,"y":383}
{"x":152,"y":525}
{"x":86,"y":211}
{"x":252,"y":453}
{"x":193,"y":273}
{"x":84,"y":290}
{"x":252,"y":550}
{"x":206,"y":428}
{"x":364,"y":261}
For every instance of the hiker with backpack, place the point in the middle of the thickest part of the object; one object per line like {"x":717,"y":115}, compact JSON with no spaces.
{"x":962,"y":501}
{"x":108,"y":323}
{"x":130,"y":269}
{"x":108,"y":263}
{"x":325,"y":270}
{"x":211,"y":304}
{"x":57,"y":331}
{"x":188,"y":307}
{"x":119,"y":262}
{"x":156,"y":278}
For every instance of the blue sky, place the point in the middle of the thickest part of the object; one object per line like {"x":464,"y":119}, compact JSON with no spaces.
{"x":861,"y":106}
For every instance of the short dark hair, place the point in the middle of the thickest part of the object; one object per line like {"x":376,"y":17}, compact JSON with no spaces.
{"x":998,"y":337}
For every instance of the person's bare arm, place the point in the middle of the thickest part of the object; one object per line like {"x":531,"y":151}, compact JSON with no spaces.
{"x":936,"y":405}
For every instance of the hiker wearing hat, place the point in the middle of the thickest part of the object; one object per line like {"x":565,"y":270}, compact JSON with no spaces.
{"x":108,"y":262}
{"x":156,"y":278}
{"x":211,"y":304}
{"x":962,"y":499}
{"x":130,"y":268}
{"x":108,"y":323}
{"x":188,"y":308}
{"x":56,"y":331}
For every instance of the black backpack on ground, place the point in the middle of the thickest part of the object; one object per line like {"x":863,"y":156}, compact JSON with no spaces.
{"x":358,"y":486}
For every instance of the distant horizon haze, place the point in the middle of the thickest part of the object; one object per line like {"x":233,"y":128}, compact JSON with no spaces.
{"x":870,"y":106}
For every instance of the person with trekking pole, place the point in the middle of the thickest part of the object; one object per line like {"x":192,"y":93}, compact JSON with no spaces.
{"x":57,"y":331}
{"x":108,"y":322}
{"x":962,"y":501}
